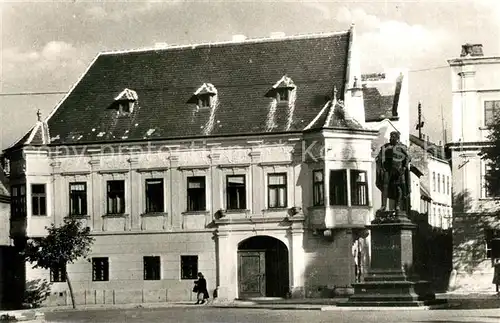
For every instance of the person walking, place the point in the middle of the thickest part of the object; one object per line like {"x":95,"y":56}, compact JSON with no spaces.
{"x":200,"y":287}
{"x":496,"y":274}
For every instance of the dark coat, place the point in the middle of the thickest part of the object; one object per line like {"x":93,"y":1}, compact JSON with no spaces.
{"x":201,"y":287}
{"x":496,"y":274}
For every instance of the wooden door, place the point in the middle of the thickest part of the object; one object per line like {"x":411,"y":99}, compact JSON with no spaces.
{"x":251,"y":274}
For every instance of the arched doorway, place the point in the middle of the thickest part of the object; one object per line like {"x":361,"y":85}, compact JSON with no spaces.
{"x":262,"y":268}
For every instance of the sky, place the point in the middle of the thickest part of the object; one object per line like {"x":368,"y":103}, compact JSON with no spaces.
{"x":45,"y":46}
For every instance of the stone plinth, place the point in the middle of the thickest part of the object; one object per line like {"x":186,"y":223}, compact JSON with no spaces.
{"x":391,"y":280}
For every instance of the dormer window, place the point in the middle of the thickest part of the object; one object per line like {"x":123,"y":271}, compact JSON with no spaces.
{"x":125,"y":102}
{"x":281,"y":90}
{"x":283,"y":94}
{"x":204,"y":100}
{"x":203,"y":97}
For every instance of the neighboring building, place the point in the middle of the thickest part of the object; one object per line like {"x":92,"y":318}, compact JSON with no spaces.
{"x":387,"y":109}
{"x":436,"y":179}
{"x":476,"y":98}
{"x":4,"y":209}
{"x":248,"y":161}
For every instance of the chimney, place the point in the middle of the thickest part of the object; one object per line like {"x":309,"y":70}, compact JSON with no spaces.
{"x":239,"y":38}
{"x":277,"y":34}
{"x":471,"y":50}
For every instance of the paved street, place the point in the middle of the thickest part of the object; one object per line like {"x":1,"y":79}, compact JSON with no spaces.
{"x":231,"y":315}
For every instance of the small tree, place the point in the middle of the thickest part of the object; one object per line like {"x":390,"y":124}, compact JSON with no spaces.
{"x":491,"y":154}
{"x":62,"y":245}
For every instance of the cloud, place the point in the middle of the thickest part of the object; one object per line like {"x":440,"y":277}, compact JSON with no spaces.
{"x":393,"y":43}
{"x":51,"y":66}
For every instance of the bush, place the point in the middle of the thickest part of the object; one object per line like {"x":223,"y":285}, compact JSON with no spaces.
{"x":36,"y":292}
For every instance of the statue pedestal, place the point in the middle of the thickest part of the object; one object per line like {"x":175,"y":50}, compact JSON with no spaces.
{"x":391,"y":280}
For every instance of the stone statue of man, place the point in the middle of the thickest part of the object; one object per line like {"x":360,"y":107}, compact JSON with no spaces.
{"x":393,"y":173}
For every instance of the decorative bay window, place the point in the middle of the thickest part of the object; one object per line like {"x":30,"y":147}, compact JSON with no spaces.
{"x":38,"y":199}
{"x":359,"y":188}
{"x":18,"y":201}
{"x":318,"y":188}
{"x":338,"y":187}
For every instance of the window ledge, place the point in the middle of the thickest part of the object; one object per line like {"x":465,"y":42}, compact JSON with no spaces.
{"x":77,"y":216}
{"x":153,"y":214}
{"x":489,"y":199}
{"x":39,"y":216}
{"x":237,"y":211}
{"x":115,"y":215}
{"x":195,"y":212}
{"x":275,"y":209}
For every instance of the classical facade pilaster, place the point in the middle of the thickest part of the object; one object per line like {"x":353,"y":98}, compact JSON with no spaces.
{"x":57,"y":211}
{"x":256,"y":183}
{"x":95,"y":194}
{"x":175,"y":184}
{"x":227,"y":266}
{"x":215,"y":183}
{"x":135,"y":186}
{"x":297,"y":262}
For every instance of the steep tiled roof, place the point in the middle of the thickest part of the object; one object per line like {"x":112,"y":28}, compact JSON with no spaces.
{"x":429,"y":147}
{"x":165,"y":79}
{"x":38,"y":135}
{"x":334,"y":115}
{"x":381,"y":99}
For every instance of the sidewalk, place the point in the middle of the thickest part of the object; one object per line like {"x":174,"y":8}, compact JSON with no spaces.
{"x":455,"y":301}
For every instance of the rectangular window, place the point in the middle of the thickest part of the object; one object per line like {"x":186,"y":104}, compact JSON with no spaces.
{"x":434,"y":181}
{"x":58,"y":274}
{"x":439,"y":183}
{"x":78,"y":198}
{"x":444,"y":185}
{"x":338,"y":187}
{"x":154,"y":195}
{"x":447,"y":185}
{"x":18,"y":201}
{"x":236,"y":192}
{"x":485,"y":191}
{"x":152,"y":268}
{"x":116,"y":197}
{"x":196,"y":194}
{"x":318,"y":188}
{"x":490,"y":234}
{"x":189,"y":267}
{"x":359,"y":188}
{"x":491,"y":109}
{"x":276,"y":190}
{"x":38,"y":199}
{"x":100,"y":269}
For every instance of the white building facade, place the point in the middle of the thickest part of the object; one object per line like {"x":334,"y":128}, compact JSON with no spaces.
{"x":476,"y":98}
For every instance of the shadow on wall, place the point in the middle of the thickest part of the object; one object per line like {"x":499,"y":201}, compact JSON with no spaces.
{"x":13,"y":276}
{"x":469,"y":233}
{"x":432,"y":252}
